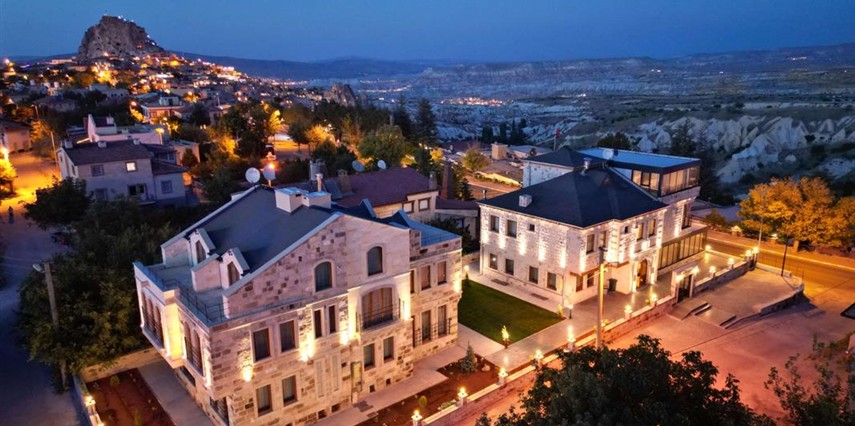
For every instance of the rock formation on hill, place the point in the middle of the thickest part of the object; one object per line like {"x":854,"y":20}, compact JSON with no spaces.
{"x":115,"y":36}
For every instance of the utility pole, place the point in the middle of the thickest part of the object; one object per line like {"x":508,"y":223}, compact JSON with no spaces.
{"x":600,"y":305}
{"x":54,"y":314}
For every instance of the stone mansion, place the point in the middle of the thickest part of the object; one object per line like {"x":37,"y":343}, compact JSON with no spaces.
{"x":577,"y":209}
{"x":283,"y":308}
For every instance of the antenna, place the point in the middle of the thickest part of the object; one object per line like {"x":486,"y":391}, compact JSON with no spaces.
{"x":381,"y":165}
{"x":269,"y":173}
{"x":357,"y":166}
{"x":252,"y":175}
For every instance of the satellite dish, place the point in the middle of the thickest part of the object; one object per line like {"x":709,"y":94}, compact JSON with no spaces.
{"x":608,"y":153}
{"x":269,"y":172}
{"x":381,"y":164}
{"x":252,"y":175}
{"x":357,"y":166}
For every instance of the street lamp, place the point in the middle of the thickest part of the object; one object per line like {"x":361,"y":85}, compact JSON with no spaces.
{"x":54,"y":314}
{"x":787,"y":243}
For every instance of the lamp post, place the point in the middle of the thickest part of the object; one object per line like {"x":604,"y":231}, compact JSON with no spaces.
{"x":784,"y":262}
{"x":600,"y":292}
{"x":54,"y":314}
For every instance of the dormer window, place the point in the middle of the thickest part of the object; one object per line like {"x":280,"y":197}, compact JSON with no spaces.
{"x":375,"y":261}
{"x":234,"y":274}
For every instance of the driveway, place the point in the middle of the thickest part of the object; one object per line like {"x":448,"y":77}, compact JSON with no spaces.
{"x":27,"y":392}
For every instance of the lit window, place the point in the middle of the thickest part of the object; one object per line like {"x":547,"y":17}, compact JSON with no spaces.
{"x":494,"y":261}
{"x":131,"y":166}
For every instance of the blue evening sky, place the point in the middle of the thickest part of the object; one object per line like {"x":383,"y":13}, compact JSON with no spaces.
{"x":481,"y":30}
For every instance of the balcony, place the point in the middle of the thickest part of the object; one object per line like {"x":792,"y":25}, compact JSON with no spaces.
{"x":377,"y":317}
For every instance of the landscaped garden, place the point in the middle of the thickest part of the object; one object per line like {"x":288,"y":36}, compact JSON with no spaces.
{"x":486,"y":311}
{"x":125,"y":399}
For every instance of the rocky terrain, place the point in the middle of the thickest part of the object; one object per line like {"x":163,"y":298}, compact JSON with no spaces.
{"x":118,"y":37}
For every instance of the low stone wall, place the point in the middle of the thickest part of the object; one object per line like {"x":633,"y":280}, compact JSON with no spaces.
{"x":722,"y":277}
{"x":128,"y":362}
{"x":85,"y":403}
{"x":471,"y":257}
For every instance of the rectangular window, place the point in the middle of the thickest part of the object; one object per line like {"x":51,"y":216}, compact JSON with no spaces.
{"x":317,"y":320}
{"x":442,"y":272}
{"x":651,"y":228}
{"x":166,"y":186}
{"x":426,"y":325}
{"x":287,"y":336}
{"x":601,"y":243}
{"x":424,"y":204}
{"x":580,"y":283}
{"x":626,"y":229}
{"x":289,"y":390}
{"x":442,"y":320}
{"x":368,"y":356}
{"x":590,"y":280}
{"x":551,"y":281}
{"x":134,"y":190}
{"x":262,"y":400}
{"x":639,"y":230}
{"x":494,"y":223}
{"x":131,"y":166}
{"x":261,"y":344}
{"x":409,"y":207}
{"x":645,"y":179}
{"x":530,"y":227}
{"x":494,"y":261}
{"x":589,"y":243}
{"x":100,"y":194}
{"x":424,"y":277}
{"x":687,"y":216}
{"x":533,"y":275}
{"x":412,"y":281}
{"x":331,"y":319}
{"x":98,"y":170}
{"x":509,"y":266}
{"x":388,"y":348}
{"x":512,"y":228}
{"x":654,"y":182}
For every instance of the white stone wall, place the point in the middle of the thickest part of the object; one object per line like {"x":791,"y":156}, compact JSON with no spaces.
{"x":534,"y":173}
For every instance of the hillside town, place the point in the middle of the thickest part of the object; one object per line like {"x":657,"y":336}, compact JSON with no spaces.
{"x":186,"y":244}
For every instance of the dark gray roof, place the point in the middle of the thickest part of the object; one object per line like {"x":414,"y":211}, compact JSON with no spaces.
{"x":565,"y":157}
{"x":644,"y":161}
{"x":159,"y":167}
{"x":91,"y":153}
{"x":258,"y":228}
{"x":581,"y":200}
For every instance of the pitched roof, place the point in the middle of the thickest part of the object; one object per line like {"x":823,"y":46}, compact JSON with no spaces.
{"x":159,"y":167}
{"x":581,"y":200}
{"x":565,"y":157}
{"x":91,"y":153}
{"x":380,"y":188}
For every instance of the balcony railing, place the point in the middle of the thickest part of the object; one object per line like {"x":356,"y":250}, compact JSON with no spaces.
{"x":436,"y":330}
{"x":213,"y":312}
{"x":378,"y":316}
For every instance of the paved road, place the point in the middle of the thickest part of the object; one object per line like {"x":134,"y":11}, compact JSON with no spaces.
{"x":26,"y":393}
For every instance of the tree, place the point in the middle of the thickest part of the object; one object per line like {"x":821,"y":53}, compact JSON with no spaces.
{"x":60,"y":204}
{"x":297,"y":130}
{"x":474,"y":160}
{"x":351,"y":130}
{"x":7,"y":178}
{"x":189,"y":132}
{"x":469,"y":364}
{"x":617,"y":140}
{"x":826,"y":401}
{"x":641,"y":384}
{"x":503,"y":133}
{"x":469,"y":243}
{"x":461,"y":184}
{"x":682,"y":143}
{"x":317,"y":136}
{"x":218,"y":188}
{"x":199,"y":115}
{"x":387,"y":144}
{"x":401,"y":118}
{"x":425,"y":163}
{"x":334,"y":157}
{"x":715,"y":220}
{"x":425,"y":125}
{"x":487,"y":134}
{"x":41,"y":139}
{"x":188,"y":159}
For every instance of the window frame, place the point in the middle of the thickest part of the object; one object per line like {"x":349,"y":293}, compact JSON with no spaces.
{"x":442,"y":272}
{"x":552,"y":277}
{"x":318,"y":323}
{"x":424,"y":204}
{"x":255,"y":354}
{"x":509,"y":266}
{"x":651,"y":227}
{"x":163,"y":186}
{"x":269,"y":408}
{"x":368,"y":257}
{"x":94,"y":167}
{"x":391,"y":343}
{"x":511,"y":228}
{"x":296,"y":397}
{"x":409,"y":207}
{"x":328,"y":265}
{"x":332,"y":320}
{"x":590,"y":243}
{"x":494,"y":223}
{"x":131,"y":166}
{"x":493,"y":261}
{"x":531,"y":227}
{"x":424,"y":278}
{"x":533,"y":275}
{"x":293,"y":340}
{"x":373,"y":358}
{"x":232,"y":272}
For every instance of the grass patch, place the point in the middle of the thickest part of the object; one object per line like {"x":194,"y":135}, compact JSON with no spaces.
{"x":486,"y":310}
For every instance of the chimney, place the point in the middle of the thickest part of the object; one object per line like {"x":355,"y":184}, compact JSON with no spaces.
{"x":344,"y":182}
{"x":432,"y":181}
{"x":525,"y":200}
{"x":447,"y":190}
{"x":320,"y":178}
{"x":318,"y":199}
{"x":289,"y":199}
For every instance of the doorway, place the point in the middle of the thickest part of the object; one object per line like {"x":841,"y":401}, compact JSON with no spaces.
{"x":684,"y":291}
{"x":641,"y":276}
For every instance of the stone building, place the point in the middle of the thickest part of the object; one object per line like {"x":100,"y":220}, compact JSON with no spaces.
{"x":578,"y":209}
{"x":282,"y":308}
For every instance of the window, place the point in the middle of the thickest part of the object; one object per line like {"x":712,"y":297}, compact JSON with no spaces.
{"x":509,"y":266}
{"x":134,"y":190}
{"x":289,"y":390}
{"x":331,"y":319}
{"x":494,"y":223}
{"x":100,"y":194}
{"x":426,"y":325}
{"x":377,"y":307}
{"x":639,"y":230}
{"x":601,"y":243}
{"x":409,"y":207}
{"x":424,"y":277}
{"x":166,"y":186}
{"x":511,"y":229}
{"x":323,"y":276}
{"x":131,"y":166}
{"x":234,"y":274}
{"x":262,"y":397}
{"x":533,"y":274}
{"x":412,"y":281}
{"x":375,"y":261}
{"x":589,"y":243}
{"x":97,"y":170}
{"x":200,"y":252}
{"x":626,"y":229}
{"x":494,"y":261}
{"x":442,"y":320}
{"x":651,"y":228}
{"x":317,"y":322}
{"x":442,"y":272}
{"x":287,"y":336}
{"x":388,"y":348}
{"x":687,"y":216}
{"x":424,"y":204}
{"x":590,"y":280}
{"x":260,"y":344}
{"x":368,"y":356}
{"x":530,"y":227}
{"x":580,"y":283}
{"x":551,"y":281}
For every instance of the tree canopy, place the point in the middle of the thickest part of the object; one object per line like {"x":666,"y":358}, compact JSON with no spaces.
{"x":60,"y":204}
{"x":641,"y":384}
{"x":474,"y":160}
{"x":387,"y":144}
{"x":424,"y":129}
{"x":617,"y":140}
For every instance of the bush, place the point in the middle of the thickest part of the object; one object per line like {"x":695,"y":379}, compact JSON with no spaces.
{"x":469,"y":363}
{"x":423,"y":402}
{"x":115,"y":380}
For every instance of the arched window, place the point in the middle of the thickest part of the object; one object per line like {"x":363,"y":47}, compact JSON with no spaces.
{"x":323,"y":276}
{"x":234,"y":274}
{"x":375,"y":260}
{"x":377,"y":307}
{"x":200,"y":252}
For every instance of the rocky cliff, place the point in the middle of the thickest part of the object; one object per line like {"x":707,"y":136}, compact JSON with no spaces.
{"x":115,"y":36}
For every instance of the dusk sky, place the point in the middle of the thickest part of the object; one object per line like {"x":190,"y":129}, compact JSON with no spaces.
{"x":494,"y":30}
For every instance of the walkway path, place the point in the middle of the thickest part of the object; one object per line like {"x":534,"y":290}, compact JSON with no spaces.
{"x":172,"y":396}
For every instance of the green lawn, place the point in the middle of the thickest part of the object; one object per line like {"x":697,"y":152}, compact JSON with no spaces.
{"x":486,"y":310}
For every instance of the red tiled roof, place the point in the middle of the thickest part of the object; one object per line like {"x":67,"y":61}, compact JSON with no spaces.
{"x":385,"y":187}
